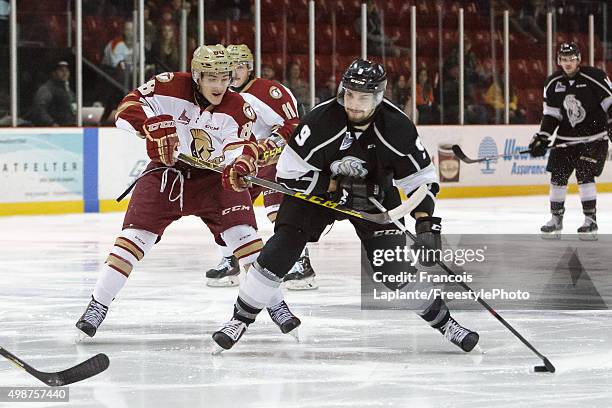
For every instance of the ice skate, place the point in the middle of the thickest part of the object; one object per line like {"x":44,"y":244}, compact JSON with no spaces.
{"x":228,"y":335}
{"x":225,"y":274}
{"x":588,"y":230}
{"x":552,"y":229}
{"x":301,"y":276}
{"x":91,"y":319}
{"x":459,"y":335}
{"x":284,"y":319}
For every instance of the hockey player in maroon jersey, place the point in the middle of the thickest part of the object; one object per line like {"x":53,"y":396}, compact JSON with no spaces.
{"x":277,"y":118}
{"x":192,"y":113}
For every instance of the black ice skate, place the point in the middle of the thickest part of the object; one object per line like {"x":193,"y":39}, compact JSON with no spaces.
{"x":301,"y":276}
{"x":284,"y":319}
{"x":92,"y":318}
{"x":228,"y":335}
{"x":227,"y":273}
{"x":588,"y":230}
{"x":459,"y":335}
{"x":552,"y":229}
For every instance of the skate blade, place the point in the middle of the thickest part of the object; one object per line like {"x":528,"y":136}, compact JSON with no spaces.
{"x":81,"y":337}
{"x":301,"y":284}
{"x":224,"y":282}
{"x":295,"y":333}
{"x":216,"y":350}
{"x":587,"y":236}
{"x":553,"y":236}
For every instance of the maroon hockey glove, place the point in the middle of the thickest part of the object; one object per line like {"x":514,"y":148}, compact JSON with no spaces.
{"x":269,"y":149}
{"x":162,"y":140}
{"x":232,"y":178}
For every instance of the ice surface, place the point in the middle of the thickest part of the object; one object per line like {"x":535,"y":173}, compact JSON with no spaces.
{"x":157,"y":333}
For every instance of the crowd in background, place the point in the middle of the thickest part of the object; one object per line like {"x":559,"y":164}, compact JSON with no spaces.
{"x":437,"y":91}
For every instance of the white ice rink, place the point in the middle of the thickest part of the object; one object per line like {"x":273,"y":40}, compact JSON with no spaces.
{"x":157,"y":333}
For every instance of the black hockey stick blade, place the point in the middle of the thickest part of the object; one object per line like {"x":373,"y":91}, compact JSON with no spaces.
{"x":461,"y":156}
{"x":88,"y":368}
{"x":383,"y":218}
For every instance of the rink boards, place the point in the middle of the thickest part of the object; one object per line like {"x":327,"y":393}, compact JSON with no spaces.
{"x":68,"y":170}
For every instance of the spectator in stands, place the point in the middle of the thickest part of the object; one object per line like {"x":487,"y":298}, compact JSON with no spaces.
{"x":427,"y":112}
{"x":117,"y":62}
{"x":450,"y":90}
{"x":401,"y":91}
{"x":54,"y":103}
{"x":267,"y":72}
{"x":377,"y":41}
{"x":165,"y":50}
{"x":494,"y":97}
{"x":150,"y":33}
{"x":298,"y":87}
{"x":329,"y":90}
{"x":525,"y":21}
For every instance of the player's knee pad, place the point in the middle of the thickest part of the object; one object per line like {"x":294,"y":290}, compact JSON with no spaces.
{"x":283,"y":249}
{"x":244,"y":242}
{"x":130,"y":247}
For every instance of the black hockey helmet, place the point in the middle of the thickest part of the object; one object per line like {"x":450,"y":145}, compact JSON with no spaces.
{"x":569,"y":49}
{"x":364,"y":76}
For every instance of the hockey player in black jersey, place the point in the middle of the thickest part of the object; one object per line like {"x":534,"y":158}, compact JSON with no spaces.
{"x":578,"y":104}
{"x":349,"y":148}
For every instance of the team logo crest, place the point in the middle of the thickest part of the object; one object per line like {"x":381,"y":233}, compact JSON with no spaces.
{"x":349,"y":166}
{"x":574,"y":109}
{"x":275,"y":92}
{"x":559,"y":87}
{"x":201,"y":145}
{"x":248,"y":111}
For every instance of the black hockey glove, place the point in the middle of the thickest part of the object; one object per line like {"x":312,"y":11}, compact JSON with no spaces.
{"x":427,"y":239}
{"x":354,"y":193}
{"x":538,"y":145}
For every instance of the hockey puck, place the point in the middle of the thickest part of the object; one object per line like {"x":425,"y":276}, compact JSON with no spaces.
{"x":540,"y":369}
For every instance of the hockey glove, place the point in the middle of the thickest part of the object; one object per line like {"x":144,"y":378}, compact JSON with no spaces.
{"x":354,"y":193}
{"x":162,"y":140}
{"x":232,"y":177}
{"x":538,"y":145}
{"x":269,"y":149}
{"x":428,"y":239}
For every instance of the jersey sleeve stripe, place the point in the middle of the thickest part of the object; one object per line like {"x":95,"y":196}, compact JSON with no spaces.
{"x":606,"y":103}
{"x":413,"y":181}
{"x":605,"y":88}
{"x":550,"y":83}
{"x":550,"y":111}
{"x":322,"y":145}
{"x":291,"y":165}
{"x":393,"y":149}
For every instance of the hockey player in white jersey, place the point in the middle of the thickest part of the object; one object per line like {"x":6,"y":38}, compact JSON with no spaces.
{"x":195,"y":114}
{"x":277,"y":118}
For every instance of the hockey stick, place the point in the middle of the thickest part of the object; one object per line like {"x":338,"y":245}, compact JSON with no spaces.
{"x":547,"y":363}
{"x":88,"y":368}
{"x":384,"y":218}
{"x":463,"y":157}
